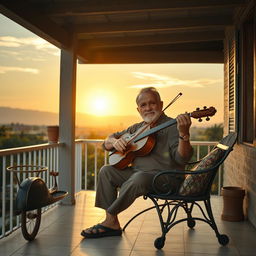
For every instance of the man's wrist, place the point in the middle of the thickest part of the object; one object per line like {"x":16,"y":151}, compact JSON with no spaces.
{"x":184,"y":137}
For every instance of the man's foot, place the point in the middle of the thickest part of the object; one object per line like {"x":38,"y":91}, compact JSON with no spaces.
{"x":99,"y":230}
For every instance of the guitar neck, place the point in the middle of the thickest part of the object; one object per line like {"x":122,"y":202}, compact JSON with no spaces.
{"x":155,"y":129}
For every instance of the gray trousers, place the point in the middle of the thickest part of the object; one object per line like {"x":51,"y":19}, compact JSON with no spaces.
{"x":132,"y":183}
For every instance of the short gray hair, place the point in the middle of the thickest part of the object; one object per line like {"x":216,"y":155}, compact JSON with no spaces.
{"x":152,"y":90}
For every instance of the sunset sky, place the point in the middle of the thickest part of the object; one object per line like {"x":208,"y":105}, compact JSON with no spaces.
{"x":29,"y":79}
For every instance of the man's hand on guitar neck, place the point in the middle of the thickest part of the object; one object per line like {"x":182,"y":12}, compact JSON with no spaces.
{"x":183,"y":124}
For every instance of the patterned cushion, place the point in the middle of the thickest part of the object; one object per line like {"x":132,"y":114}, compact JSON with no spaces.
{"x":194,"y":184}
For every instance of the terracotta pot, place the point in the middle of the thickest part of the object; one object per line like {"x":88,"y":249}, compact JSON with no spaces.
{"x":53,"y":133}
{"x":232,"y":203}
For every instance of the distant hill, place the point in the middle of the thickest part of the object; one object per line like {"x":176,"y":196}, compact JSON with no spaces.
{"x":34,"y":117}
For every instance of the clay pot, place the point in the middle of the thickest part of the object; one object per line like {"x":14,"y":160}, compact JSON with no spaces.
{"x":232,"y":203}
{"x":53,"y":133}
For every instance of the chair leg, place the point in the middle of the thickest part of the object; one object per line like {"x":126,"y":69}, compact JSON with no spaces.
{"x":222,"y":238}
{"x":190,"y":221}
{"x":160,"y":241}
{"x":170,"y":221}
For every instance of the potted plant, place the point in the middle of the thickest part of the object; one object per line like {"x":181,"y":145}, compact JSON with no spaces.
{"x":53,"y":133}
{"x":232,"y":203}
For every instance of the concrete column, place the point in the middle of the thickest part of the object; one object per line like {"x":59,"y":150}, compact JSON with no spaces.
{"x":67,"y":124}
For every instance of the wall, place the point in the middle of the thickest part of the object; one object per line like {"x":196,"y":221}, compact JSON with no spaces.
{"x":240,"y":166}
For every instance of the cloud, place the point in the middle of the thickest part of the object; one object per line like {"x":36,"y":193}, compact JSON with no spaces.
{"x":4,"y":70}
{"x":14,"y":53}
{"x":160,"y":81}
{"x":37,"y":43}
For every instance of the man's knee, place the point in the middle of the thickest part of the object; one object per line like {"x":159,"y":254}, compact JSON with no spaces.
{"x":104,"y":170}
{"x":141,"y":179}
{"x":107,"y":172}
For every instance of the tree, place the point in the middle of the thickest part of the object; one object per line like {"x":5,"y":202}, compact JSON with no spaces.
{"x":214,"y":133}
{"x":3,"y":130}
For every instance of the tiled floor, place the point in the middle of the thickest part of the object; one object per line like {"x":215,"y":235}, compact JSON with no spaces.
{"x":59,"y":234}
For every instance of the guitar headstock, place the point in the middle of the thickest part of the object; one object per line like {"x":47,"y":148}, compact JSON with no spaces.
{"x":205,"y":112}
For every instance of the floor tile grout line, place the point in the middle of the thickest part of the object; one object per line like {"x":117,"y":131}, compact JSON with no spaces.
{"x":142,"y":222}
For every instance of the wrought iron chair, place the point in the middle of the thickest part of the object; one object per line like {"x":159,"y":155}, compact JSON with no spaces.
{"x":185,"y":189}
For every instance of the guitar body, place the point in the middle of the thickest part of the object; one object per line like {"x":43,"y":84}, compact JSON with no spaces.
{"x":141,"y":148}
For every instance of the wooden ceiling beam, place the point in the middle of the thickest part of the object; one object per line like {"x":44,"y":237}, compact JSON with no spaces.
{"x":173,"y":38}
{"x":154,"y":25}
{"x":23,"y":13}
{"x":132,"y":57}
{"x":103,"y":7}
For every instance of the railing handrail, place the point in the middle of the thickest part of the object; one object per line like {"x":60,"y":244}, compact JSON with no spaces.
{"x":17,"y":150}
{"x":203,"y":143}
{"x":10,"y":151}
{"x":89,"y":140}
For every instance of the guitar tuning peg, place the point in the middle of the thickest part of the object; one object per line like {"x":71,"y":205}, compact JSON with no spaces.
{"x":207,"y":118}
{"x":197,"y":109}
{"x":200,"y":120}
{"x":205,"y":107}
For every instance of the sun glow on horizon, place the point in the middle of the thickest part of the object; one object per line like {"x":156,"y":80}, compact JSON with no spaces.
{"x":96,"y":102}
{"x":100,"y":106}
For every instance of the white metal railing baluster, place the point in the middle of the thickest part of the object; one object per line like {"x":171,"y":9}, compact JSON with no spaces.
{"x":95,"y":166}
{"x":76,"y":172}
{"x":29,"y":160}
{"x":77,"y":167}
{"x":17,"y":188}
{"x":85,"y":165}
{"x":24,"y":162}
{"x":44,"y":163}
{"x":11,"y":194}
{"x":3,"y":195}
{"x":39,"y":157}
{"x":48,"y":164}
{"x":34,"y":158}
{"x":51,"y":167}
{"x":80,"y":167}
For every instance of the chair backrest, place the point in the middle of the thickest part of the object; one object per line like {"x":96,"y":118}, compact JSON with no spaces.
{"x":200,"y":184}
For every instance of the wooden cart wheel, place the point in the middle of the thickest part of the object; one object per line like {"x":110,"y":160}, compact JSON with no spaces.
{"x":30,"y":223}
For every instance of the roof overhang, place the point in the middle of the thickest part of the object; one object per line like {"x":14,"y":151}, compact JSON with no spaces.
{"x":114,"y":31}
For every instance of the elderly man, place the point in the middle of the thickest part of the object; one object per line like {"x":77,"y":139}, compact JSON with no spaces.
{"x":171,"y":151}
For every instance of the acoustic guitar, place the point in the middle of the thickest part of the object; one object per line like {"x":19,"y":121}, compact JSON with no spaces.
{"x":142,"y":141}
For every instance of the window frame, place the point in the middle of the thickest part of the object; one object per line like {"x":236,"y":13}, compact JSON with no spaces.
{"x":248,"y":86}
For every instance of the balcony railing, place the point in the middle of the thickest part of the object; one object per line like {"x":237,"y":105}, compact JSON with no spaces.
{"x":89,"y":158}
{"x":42,"y":155}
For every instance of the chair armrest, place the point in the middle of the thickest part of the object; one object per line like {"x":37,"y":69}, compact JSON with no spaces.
{"x":193,"y":163}
{"x":168,"y":182}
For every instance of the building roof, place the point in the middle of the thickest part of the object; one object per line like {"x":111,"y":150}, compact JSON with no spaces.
{"x":130,"y":31}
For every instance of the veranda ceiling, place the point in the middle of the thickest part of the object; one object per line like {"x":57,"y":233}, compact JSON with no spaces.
{"x":131,"y":31}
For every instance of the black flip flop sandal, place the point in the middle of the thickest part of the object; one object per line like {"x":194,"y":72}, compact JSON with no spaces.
{"x":106,"y":232}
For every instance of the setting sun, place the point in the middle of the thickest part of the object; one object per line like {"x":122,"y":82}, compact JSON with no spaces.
{"x":97,"y":102}
{"x":100,"y":106}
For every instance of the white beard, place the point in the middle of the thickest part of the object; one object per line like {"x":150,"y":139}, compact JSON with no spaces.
{"x":148,"y":118}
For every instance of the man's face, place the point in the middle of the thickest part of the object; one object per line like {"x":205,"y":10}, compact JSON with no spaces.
{"x":149,"y":107}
